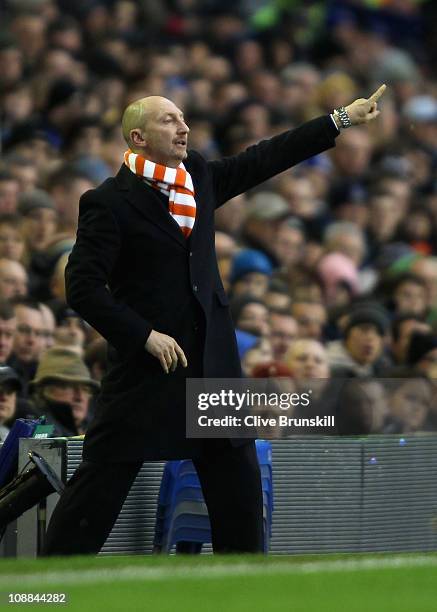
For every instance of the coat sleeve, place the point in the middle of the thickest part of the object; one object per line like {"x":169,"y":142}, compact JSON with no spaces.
{"x":89,"y":266}
{"x":234,"y":175}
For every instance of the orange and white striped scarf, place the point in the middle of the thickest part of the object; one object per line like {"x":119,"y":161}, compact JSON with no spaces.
{"x":175,"y":183}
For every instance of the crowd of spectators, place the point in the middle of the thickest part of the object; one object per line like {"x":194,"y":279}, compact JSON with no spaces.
{"x":331,"y":267}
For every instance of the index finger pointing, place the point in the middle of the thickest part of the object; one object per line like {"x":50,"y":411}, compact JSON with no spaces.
{"x":378,"y":93}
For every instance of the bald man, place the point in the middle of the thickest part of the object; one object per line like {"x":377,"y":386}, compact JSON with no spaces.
{"x":144,"y":274}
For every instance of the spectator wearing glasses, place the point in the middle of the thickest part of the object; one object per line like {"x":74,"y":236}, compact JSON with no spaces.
{"x":28,"y":340}
{"x":62,"y":389}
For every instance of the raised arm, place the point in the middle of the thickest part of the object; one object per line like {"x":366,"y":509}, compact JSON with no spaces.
{"x":234,"y":175}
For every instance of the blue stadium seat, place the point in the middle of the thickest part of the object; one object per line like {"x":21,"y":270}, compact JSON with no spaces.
{"x":182,"y":516}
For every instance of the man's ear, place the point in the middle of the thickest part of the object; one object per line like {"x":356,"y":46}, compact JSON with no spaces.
{"x":137,"y":138}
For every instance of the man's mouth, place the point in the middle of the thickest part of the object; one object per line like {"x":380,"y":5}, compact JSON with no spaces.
{"x":181,"y":142}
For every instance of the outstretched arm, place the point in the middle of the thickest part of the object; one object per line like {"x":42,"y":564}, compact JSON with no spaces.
{"x":234,"y":175}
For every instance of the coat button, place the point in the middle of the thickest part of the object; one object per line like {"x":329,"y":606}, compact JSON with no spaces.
{"x":191,"y":253}
{"x":194,"y":287}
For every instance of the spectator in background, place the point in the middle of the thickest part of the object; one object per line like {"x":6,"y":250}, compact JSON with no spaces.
{"x":410,"y":402}
{"x":39,"y":219}
{"x":13,"y":279}
{"x":277,"y":295}
{"x":410,"y":295}
{"x":48,"y":328}
{"x":402,"y":327}
{"x":396,"y":183}
{"x":311,"y":318}
{"x":96,"y":358}
{"x":25,"y":170}
{"x":422,"y":112}
{"x":70,"y":331}
{"x":259,"y":353}
{"x":265,"y":210}
{"x":305,"y":286}
{"x":9,"y":386}
{"x":251,"y":315}
{"x":385,"y":216}
{"x":359,"y":352}
{"x":351,"y":157}
{"x":290,"y":242}
{"x":66,"y":186}
{"x":61,"y":390}
{"x":11,"y":63}
{"x":230,"y":218}
{"x":347,"y":238}
{"x":417,"y":229}
{"x":250,"y":274}
{"x":225,"y":245}
{"x":339,"y":276}
{"x":426,"y":269}
{"x":8,"y":326}
{"x":348,"y":202}
{"x":362,"y":408}
{"x":307,"y":359}
{"x":29,"y":139}
{"x":283,"y":332}
{"x":28,"y":340}
{"x":11,"y":238}
{"x":300,"y":195}
{"x":84,"y":141}
{"x":422,"y":353}
{"x":9,"y":190}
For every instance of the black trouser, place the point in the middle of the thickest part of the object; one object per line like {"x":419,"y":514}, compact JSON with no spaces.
{"x":94,"y":495}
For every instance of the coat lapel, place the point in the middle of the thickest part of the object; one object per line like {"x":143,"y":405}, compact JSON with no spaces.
{"x":148,"y":203}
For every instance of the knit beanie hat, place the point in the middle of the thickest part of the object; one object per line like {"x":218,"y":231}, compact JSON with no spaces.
{"x":368,"y":315}
{"x":247,"y":261}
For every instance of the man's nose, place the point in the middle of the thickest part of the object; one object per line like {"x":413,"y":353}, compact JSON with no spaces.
{"x":79,"y":395}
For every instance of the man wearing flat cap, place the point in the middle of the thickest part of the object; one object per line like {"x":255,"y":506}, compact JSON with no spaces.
{"x":144,"y":273}
{"x":61,"y":391}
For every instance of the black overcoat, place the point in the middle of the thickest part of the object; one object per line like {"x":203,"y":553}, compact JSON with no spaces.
{"x":132,"y":270}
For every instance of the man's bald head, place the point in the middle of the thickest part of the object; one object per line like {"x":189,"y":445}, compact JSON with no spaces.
{"x":137,"y":114}
{"x":155,"y":128}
